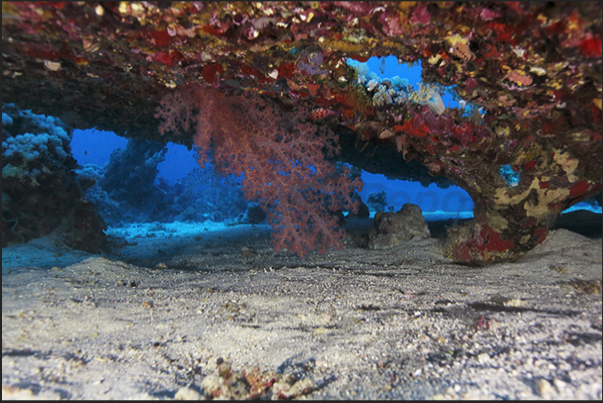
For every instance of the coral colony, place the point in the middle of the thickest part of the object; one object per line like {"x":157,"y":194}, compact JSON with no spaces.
{"x":39,"y":188}
{"x":278,"y":91}
{"x":280,"y":155}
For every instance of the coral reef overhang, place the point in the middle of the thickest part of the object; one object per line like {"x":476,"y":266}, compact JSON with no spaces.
{"x":534,"y":68}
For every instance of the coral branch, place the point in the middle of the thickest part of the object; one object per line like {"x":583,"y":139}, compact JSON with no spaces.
{"x":281,"y":156}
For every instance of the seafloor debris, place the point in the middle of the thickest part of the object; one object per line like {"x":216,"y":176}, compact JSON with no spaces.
{"x":533,"y":69}
{"x":252,"y":383}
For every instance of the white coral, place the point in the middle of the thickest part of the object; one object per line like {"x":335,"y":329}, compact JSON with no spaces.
{"x":371,"y":85}
{"x":428,"y":95}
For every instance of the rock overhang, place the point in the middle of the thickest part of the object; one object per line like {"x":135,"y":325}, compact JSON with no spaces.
{"x":534,"y":67}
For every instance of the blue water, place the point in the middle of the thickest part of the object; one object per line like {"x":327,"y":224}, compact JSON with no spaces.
{"x":95,"y":147}
{"x":92,"y":147}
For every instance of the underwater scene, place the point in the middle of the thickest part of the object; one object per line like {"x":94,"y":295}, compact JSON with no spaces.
{"x":276,"y":200}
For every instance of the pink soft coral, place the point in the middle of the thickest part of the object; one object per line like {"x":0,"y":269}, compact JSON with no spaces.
{"x":281,"y":156}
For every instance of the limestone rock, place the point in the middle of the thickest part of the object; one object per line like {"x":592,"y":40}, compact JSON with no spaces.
{"x":392,"y":229}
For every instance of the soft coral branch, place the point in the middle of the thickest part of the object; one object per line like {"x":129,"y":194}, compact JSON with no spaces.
{"x":281,"y":156}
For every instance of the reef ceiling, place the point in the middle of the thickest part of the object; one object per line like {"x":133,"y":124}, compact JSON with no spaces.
{"x":534,"y":67}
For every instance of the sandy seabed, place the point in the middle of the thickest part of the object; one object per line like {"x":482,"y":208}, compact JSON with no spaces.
{"x":157,"y":315}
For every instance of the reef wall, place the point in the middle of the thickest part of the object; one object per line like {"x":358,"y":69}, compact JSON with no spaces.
{"x":534,"y":69}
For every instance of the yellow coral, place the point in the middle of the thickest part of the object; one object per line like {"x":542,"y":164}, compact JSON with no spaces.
{"x":568,"y":164}
{"x":424,"y":93}
{"x":349,"y":46}
{"x":453,"y":39}
{"x":428,"y":95}
{"x":497,"y":222}
{"x":539,"y":209}
{"x":502,"y":131}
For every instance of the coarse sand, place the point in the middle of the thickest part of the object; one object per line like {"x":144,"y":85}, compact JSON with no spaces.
{"x":157,"y":316}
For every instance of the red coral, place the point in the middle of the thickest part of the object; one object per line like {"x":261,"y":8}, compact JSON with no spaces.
{"x":321,"y":113}
{"x":280,"y":156}
{"x":489,"y":15}
{"x":209,"y":72}
{"x":463,"y":133}
{"x":504,"y":32}
{"x":495,"y":243}
{"x":391,"y":24}
{"x":162,"y":57}
{"x":518,"y":77}
{"x":420,"y":16}
{"x":358,"y":8}
{"x":591,"y":47}
{"x":579,"y":189}
{"x":161,"y":37}
{"x":530,"y":165}
{"x":541,"y":233}
{"x":480,"y":243}
{"x":359,"y":58}
{"x":415,"y":128}
{"x":471,"y":84}
{"x":286,"y":70}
